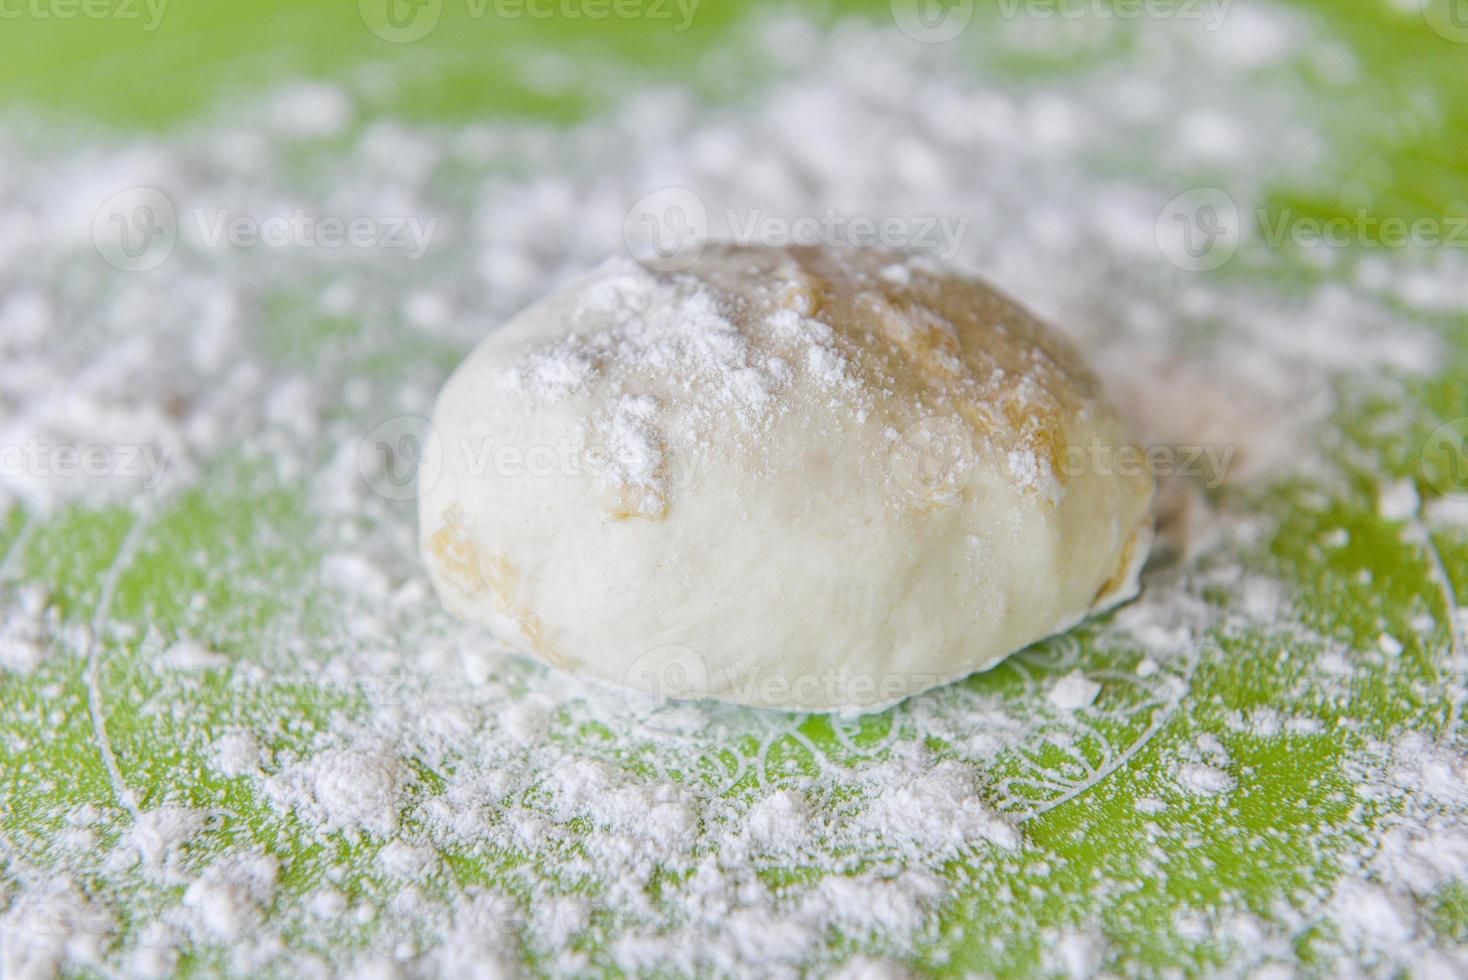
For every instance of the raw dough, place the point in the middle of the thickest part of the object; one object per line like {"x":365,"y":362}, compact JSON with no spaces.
{"x":803,"y":478}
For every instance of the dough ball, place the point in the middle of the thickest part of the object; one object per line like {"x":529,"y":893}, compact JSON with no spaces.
{"x":805,"y":478}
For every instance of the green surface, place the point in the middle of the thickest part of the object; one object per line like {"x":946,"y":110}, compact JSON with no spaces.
{"x":1094,"y":858}
{"x":137,"y":70}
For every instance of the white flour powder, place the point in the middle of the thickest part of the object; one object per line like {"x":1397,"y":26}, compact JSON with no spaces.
{"x":626,"y":833}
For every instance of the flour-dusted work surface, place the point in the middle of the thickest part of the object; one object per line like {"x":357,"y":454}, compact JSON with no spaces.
{"x":241,"y":735}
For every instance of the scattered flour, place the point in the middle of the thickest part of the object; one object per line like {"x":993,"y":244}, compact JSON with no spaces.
{"x":1201,"y":779}
{"x":781,"y":821}
{"x":154,"y":840}
{"x":24,"y":630}
{"x":189,"y":655}
{"x":230,"y":898}
{"x":53,"y":927}
{"x":630,"y":839}
{"x":933,"y":810}
{"x":1398,"y":501}
{"x":1076,"y":954}
{"x":344,"y":789}
{"x":403,"y":860}
{"x":1073,"y":692}
{"x":238,"y":754}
